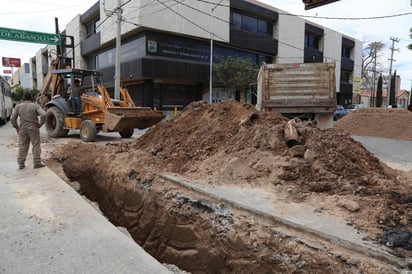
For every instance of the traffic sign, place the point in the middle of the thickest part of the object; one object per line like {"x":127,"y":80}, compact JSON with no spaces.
{"x":7,"y":71}
{"x":30,"y":36}
{"x":310,"y":4}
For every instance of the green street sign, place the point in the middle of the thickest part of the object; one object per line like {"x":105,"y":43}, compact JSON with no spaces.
{"x":30,"y":36}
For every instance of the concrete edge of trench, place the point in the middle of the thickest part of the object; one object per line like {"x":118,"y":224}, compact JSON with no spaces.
{"x":363,"y":248}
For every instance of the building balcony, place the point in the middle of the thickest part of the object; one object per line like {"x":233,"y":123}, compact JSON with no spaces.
{"x":313,"y":55}
{"x":345,"y":87}
{"x":347,"y":64}
{"x":90,"y":44}
{"x":243,"y":39}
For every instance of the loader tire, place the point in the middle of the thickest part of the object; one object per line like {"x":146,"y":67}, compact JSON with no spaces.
{"x":88,"y":131}
{"x":55,"y":123}
{"x":127,"y":133}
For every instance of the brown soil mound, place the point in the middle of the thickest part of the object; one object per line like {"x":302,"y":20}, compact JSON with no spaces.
{"x":233,"y":144}
{"x":378,"y":122}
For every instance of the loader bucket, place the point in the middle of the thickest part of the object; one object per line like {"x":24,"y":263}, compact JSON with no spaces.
{"x":123,"y":118}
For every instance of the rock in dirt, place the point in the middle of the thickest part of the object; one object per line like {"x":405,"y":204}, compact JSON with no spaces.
{"x":349,"y":205}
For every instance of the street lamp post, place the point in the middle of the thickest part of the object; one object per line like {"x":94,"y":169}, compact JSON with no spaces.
{"x":118,"y":49}
{"x":211,"y":61}
{"x":211,"y":53}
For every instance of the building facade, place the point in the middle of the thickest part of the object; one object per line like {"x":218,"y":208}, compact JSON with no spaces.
{"x":166,"y":48}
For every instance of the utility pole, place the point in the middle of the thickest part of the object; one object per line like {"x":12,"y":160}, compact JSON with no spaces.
{"x":374,"y":89}
{"x":392,"y":48}
{"x":118,"y":46}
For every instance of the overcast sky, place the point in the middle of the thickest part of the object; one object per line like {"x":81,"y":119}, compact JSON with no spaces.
{"x":38,"y":15}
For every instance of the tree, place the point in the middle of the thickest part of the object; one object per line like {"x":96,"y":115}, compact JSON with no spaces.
{"x":392,"y":96}
{"x":234,"y":73}
{"x":370,"y":64}
{"x":18,"y":92}
{"x":379,"y":92}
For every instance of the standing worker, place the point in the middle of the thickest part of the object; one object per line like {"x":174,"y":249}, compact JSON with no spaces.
{"x":28,"y":130}
{"x":76,"y":96}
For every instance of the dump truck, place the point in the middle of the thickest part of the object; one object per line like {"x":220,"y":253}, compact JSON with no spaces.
{"x":97,"y":111}
{"x":305,"y":91}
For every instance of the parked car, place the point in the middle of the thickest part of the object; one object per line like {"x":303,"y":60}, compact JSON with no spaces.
{"x":354,"y":107}
{"x":339,"y":112}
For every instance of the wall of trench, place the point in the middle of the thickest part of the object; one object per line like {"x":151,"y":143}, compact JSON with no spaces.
{"x":193,"y":232}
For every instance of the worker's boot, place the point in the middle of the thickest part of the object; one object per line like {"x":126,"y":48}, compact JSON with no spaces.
{"x":39,"y":165}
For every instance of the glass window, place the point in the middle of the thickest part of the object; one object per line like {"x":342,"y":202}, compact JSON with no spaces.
{"x":130,"y":51}
{"x":265,"y":28}
{"x":106,"y":58}
{"x":92,"y":62}
{"x":249,"y":23}
{"x":133,"y":50}
{"x":97,"y":25}
{"x":346,"y":52}
{"x":93,"y":27}
{"x":345,"y":76}
{"x":236,"y":20}
{"x":311,"y":41}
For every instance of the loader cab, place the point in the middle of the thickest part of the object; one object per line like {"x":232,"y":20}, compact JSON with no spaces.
{"x":65,"y":91}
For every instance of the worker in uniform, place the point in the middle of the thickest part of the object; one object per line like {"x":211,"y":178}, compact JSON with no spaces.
{"x":74,"y":96}
{"x":28,"y":130}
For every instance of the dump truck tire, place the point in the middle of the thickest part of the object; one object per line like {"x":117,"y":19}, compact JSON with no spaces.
{"x":55,"y":123}
{"x":127,"y":133}
{"x":88,"y":131}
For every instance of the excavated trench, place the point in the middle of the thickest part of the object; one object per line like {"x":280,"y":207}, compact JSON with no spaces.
{"x":231,"y":144}
{"x":200,"y":234}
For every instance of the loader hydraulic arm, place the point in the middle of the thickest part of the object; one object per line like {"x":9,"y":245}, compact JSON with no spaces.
{"x":49,"y":81}
{"x":105,"y":95}
{"x":126,"y":97}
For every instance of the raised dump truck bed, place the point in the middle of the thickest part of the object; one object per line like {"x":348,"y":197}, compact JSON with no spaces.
{"x":307,"y":89}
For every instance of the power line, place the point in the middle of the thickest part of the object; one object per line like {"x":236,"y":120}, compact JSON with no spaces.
{"x":349,"y":18}
{"x":208,"y":14}
{"x":188,"y":20}
{"x":178,"y":2}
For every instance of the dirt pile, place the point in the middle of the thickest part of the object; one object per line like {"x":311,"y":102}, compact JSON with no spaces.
{"x":233,"y":144}
{"x":378,"y":122}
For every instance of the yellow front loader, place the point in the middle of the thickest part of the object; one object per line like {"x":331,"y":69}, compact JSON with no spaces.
{"x":98,"y":112}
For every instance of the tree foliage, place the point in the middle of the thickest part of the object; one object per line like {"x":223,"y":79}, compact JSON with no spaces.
{"x":379,"y":92}
{"x":17,"y":94}
{"x":370,"y":63}
{"x":234,"y":73}
{"x":392,"y":96}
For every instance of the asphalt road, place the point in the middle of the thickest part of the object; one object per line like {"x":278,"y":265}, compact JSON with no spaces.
{"x":395,"y":153}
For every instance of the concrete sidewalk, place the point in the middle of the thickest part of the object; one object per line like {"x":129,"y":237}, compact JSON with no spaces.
{"x":46,"y":227}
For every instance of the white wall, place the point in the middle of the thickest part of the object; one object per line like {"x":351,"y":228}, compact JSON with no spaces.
{"x":357,"y":70}
{"x":332,"y":51}
{"x":78,"y":31}
{"x":39,"y":67}
{"x":290,"y":32}
{"x":191,"y":17}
